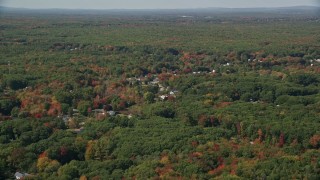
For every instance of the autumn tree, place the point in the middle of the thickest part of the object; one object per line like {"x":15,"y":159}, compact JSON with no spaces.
{"x":83,"y":107}
{"x":149,"y":97}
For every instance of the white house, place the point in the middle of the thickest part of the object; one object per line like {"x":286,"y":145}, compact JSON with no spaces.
{"x":112,"y":113}
{"x":162,"y":89}
{"x":19,"y":175}
{"x":163,"y":97}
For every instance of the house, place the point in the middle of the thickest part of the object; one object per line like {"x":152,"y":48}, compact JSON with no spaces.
{"x":163,"y":97}
{"x":162,"y":88}
{"x":172,"y":93}
{"x":19,"y":175}
{"x":111,"y":113}
{"x":76,"y":112}
{"x":99,"y":111}
{"x":77,"y":131}
{"x":155,"y":81}
{"x":65,"y":119}
{"x":6,"y":118}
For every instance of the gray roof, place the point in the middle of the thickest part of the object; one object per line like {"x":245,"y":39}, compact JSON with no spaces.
{"x":19,"y":175}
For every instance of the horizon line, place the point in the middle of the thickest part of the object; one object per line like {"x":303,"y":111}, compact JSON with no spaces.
{"x":258,"y":7}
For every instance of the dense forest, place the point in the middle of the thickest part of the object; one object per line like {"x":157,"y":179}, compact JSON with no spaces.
{"x":159,"y":96}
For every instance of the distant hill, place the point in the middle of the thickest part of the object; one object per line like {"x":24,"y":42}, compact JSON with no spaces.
{"x":291,"y":10}
{"x":308,"y":10}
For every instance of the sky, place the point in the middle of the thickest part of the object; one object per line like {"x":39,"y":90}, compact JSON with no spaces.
{"x":153,"y":4}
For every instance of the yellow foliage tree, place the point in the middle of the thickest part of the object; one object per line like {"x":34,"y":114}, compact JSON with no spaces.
{"x":42,"y":163}
{"x":83,"y":177}
{"x":89,"y":154}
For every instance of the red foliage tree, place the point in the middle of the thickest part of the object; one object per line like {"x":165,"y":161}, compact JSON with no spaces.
{"x":315,"y":141}
{"x":219,"y":169}
{"x":44,"y":154}
{"x":194,"y":143}
{"x":238,"y":126}
{"x":281,"y":140}
{"x":38,"y":115}
{"x":216,"y":147}
{"x":171,"y":98}
{"x":202,"y":120}
{"x":122,"y":105}
{"x":63,"y":151}
{"x":164,"y":76}
{"x":187,"y":70}
{"x":212,"y":120}
{"x":47,"y":124}
{"x":234,"y":167}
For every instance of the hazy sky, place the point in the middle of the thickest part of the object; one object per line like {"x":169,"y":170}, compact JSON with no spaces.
{"x":152,"y":4}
